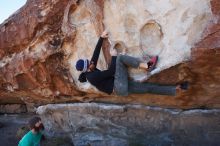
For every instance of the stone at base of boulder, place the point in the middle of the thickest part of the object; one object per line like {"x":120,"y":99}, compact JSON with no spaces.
{"x":125,"y":125}
{"x":57,"y":141}
{"x":13,"y":108}
{"x":1,"y":125}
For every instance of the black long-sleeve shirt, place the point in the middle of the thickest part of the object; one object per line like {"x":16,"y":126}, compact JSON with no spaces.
{"x":102,"y":80}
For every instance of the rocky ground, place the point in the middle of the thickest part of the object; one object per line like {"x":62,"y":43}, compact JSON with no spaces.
{"x":13,"y":126}
{"x":155,"y":125}
{"x":9,"y":126}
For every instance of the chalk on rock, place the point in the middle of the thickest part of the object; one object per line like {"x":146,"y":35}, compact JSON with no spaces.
{"x":155,"y":71}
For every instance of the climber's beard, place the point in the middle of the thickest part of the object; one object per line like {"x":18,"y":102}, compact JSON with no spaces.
{"x":37,"y":129}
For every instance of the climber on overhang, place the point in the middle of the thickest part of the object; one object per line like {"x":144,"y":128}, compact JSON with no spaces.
{"x":115,"y":78}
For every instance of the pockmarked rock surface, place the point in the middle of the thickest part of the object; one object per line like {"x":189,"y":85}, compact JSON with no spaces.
{"x":130,"y":125}
{"x":41,"y":42}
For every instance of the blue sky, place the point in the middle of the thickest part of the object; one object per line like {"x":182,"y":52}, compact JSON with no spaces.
{"x":8,"y":7}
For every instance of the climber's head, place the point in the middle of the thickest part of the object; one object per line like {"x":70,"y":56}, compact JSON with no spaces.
{"x":82,"y":65}
{"x":36,"y":124}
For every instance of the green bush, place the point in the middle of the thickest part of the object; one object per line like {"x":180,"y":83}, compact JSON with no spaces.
{"x":21,"y":132}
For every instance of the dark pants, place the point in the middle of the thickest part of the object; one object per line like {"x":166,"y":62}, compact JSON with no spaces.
{"x":123,"y":86}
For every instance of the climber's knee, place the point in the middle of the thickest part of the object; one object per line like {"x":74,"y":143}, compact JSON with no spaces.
{"x":121,"y":89}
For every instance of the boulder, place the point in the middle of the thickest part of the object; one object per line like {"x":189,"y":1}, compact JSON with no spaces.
{"x":40,"y":43}
{"x":130,"y":125}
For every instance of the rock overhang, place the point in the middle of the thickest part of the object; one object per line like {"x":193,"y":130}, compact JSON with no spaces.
{"x":37,"y":70}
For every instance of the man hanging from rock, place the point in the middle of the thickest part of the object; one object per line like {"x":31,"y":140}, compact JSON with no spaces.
{"x":34,"y":136}
{"x":115,"y":78}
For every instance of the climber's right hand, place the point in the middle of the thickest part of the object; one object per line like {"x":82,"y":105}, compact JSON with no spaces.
{"x":104,"y":34}
{"x":91,"y":66}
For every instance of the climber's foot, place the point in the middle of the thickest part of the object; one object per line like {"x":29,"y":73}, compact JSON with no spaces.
{"x":152,"y":63}
{"x":183,"y":86}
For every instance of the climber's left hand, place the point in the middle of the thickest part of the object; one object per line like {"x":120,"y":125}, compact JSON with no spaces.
{"x":113,"y":52}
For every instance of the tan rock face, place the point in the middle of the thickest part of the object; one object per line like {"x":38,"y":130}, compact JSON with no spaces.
{"x":168,"y":29}
{"x":38,"y":63}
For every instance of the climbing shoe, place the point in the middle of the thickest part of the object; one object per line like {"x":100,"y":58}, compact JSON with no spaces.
{"x":152,"y":63}
{"x":184,"y":85}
